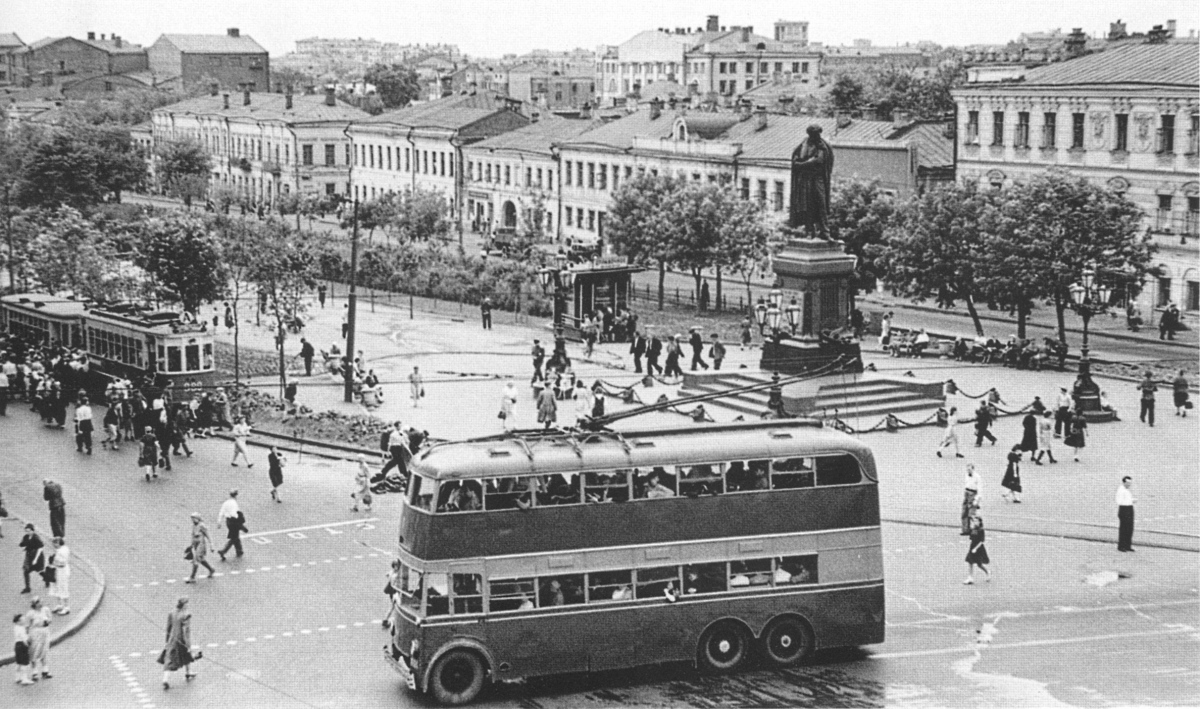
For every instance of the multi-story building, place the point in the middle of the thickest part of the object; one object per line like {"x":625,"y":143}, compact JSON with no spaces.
{"x":421,"y":146}
{"x":233,"y":60}
{"x":515,"y":172}
{"x":736,"y":62}
{"x":1127,"y":117}
{"x":266,"y":145}
{"x":57,"y":59}
{"x":751,"y":151}
{"x":550,"y":88}
{"x":861,"y":53}
{"x":13,"y":55}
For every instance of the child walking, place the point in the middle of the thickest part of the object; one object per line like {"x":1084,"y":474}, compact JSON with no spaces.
{"x":21,"y":648}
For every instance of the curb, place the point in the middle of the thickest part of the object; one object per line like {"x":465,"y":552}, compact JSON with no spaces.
{"x":78,"y":620}
{"x":1102,"y":534}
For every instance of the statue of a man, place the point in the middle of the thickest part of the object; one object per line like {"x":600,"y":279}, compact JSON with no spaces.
{"x":812,"y":171}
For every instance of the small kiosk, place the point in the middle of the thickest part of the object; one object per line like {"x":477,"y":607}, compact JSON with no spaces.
{"x":601,"y":283}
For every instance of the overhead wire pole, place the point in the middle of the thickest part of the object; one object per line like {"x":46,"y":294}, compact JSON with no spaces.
{"x":351,"y":305}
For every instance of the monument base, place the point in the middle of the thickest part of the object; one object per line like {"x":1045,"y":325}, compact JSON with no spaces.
{"x":805,"y":354}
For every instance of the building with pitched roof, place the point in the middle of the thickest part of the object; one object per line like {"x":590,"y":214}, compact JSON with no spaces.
{"x":59,"y":59}
{"x":1127,"y":117}
{"x":751,"y":151}
{"x":12,"y":58}
{"x":233,"y":60}
{"x":421,"y":146}
{"x":266,"y":145}
{"x":513,"y":173}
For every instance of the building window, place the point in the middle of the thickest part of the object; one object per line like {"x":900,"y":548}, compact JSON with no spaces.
{"x":1162,"y":218}
{"x":1049,"y":130}
{"x":1194,"y":135}
{"x":330,"y":188}
{"x":972,"y":137}
{"x":529,"y":177}
{"x":1191,"y":297}
{"x":1021,"y":138}
{"x":507,"y":174}
{"x":570,"y":218}
{"x":803,"y":67}
{"x":1122,"y":137}
{"x":591,"y":176}
{"x":721,"y":88}
{"x":1076,"y":131}
{"x":539,"y":177}
{"x":1166,"y":135}
{"x":1191,"y":227}
{"x":407,"y":167}
{"x":997,"y":127}
{"x":443,"y":161}
{"x":777,"y":198}
{"x":591,"y":222}
{"x":778,"y":67}
{"x":762,"y":191}
{"x":749,"y":84}
{"x":306,"y":152}
{"x":568,"y":175}
{"x":603,"y":177}
{"x":1164,"y":292}
{"x":330,"y":154}
{"x":349,"y":153}
{"x":749,"y":67}
{"x":745,"y":191}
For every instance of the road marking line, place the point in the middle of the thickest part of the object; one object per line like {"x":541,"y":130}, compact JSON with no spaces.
{"x":323,"y":630}
{"x":231,"y":642}
{"x":268,"y":637}
{"x":281,"y":566}
{"x":131,"y":682}
{"x":311,"y":526}
{"x":214,"y":645}
{"x":251,"y":640}
{"x":287,"y":634}
{"x":136,"y":654}
{"x":1026,"y":643}
{"x":1055,"y":611}
{"x":341,"y":627}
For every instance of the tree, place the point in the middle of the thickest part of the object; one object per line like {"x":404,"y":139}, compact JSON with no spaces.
{"x":373,"y":214}
{"x":59,"y":170}
{"x":935,"y":246}
{"x":420,"y":215}
{"x":396,"y":85}
{"x":119,"y":164}
{"x":184,"y":259}
{"x":859,"y":214}
{"x":846,"y":93}
{"x":699,"y":210}
{"x":369,"y":103}
{"x":287,"y":77}
{"x":71,"y":254}
{"x":184,"y":167}
{"x":743,"y":242}
{"x":640,"y":224}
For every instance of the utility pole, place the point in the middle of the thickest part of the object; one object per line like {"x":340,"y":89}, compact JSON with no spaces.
{"x":351,"y":301}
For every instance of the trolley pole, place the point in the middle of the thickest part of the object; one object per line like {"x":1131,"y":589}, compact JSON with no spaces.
{"x":351,"y":301}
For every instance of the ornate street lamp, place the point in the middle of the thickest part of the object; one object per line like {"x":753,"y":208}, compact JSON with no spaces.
{"x":774,"y":316}
{"x":776,"y":298}
{"x":1089,"y":298}
{"x":561,"y":281}
{"x":760,"y":315}
{"x":793,"y":315}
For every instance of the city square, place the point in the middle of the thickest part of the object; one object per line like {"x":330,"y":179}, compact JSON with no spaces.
{"x":325,"y":294}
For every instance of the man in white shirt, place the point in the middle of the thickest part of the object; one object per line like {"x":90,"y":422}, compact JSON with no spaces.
{"x":230,"y":515}
{"x":83,"y":426}
{"x":1125,"y":502}
{"x":1063,"y":416}
{"x":970,"y":497}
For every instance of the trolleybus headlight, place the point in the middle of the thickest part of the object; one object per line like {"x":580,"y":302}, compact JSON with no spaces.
{"x":413,"y":650}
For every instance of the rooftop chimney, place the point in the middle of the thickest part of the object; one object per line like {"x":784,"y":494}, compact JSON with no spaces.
{"x":1170,"y":28}
{"x":91,"y":36}
{"x":843,"y":119}
{"x":330,"y":98}
{"x":117,"y":40}
{"x":287,"y":99}
{"x":901,"y":119}
{"x":214,"y":88}
{"x":246,"y":97}
{"x":713,"y":25}
{"x":1075,"y":42}
{"x":226,"y":101}
{"x":102,"y":36}
{"x":760,"y":115}
{"x":655,"y":108}
{"x":585,"y":111}
{"x":233,"y":32}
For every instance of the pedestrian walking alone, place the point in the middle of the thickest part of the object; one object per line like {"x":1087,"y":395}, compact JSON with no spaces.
{"x":53,"y":495}
{"x":322,"y":292}
{"x":307,"y":352}
{"x":970,"y":501}
{"x":508,"y":405}
{"x":653,"y":352}
{"x":1180,"y":388}
{"x":197,"y":552}
{"x":1011,"y":481}
{"x":241,"y":432}
{"x":746,"y":334}
{"x":38,"y":620}
{"x":177,"y":653}
{"x":34,"y":559}
{"x":275,"y":464}
{"x":1062,"y":412}
{"x":697,"y":343}
{"x":362,"y":485}
{"x":547,"y":407}
{"x":231,"y":516}
{"x":585,"y":400}
{"x":148,"y":455}
{"x":485,"y":312}
{"x":1029,"y":435}
{"x":83,"y":426}
{"x":399,"y":451}
{"x":1147,"y":387}
{"x":951,"y":436}
{"x":1045,"y":436}
{"x":983,"y":422}
{"x":416,"y":386}
{"x":717,"y":351}
{"x":60,"y":587}
{"x":1125,"y":500}
{"x":21,"y":648}
{"x":977,"y":552}
{"x":674,"y":352}
{"x":637,"y":348}
{"x":1077,"y":433}
{"x":539,"y":356}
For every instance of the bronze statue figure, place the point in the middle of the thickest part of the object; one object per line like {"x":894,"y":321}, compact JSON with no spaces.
{"x":812,"y":172}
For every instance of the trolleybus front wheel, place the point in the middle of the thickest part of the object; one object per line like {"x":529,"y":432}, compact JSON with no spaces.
{"x":786,"y":642}
{"x":457,"y":677}
{"x":724,"y":647}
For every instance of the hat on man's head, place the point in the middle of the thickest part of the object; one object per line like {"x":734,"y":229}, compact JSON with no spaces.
{"x":813,"y":129}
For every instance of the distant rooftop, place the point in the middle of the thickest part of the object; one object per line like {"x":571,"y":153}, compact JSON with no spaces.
{"x":306,"y":108}
{"x":213,"y":43}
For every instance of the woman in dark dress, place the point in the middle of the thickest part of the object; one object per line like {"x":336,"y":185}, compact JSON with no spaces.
{"x":275,"y":472}
{"x":177,"y":652}
{"x":977,"y":553}
{"x":148,"y":456}
{"x":1076,"y":433}
{"x":1012,"y":476}
{"x":1029,"y":442}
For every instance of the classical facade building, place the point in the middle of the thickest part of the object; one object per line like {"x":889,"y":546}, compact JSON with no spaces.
{"x":512,"y":173}
{"x":266,"y":145}
{"x":739,"y":61}
{"x":1127,"y":117}
{"x":421,"y":146}
{"x":233,"y":60}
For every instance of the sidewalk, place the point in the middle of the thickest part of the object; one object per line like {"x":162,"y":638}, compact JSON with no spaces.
{"x":87,"y":582}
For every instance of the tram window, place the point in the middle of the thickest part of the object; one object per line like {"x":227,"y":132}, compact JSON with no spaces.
{"x":192,"y":352}
{"x":796,"y":569}
{"x":655,"y":483}
{"x":512,"y":595}
{"x":789,"y":473}
{"x":559,"y":489}
{"x":560,"y":590}
{"x":653,"y":583}
{"x":610,"y":586}
{"x":208,"y":356}
{"x":696,"y":480}
{"x":420,"y":493}
{"x":174,"y":360}
{"x":162,"y":358}
{"x":411,"y":587}
{"x":838,"y":470}
{"x":464,"y":496}
{"x":468,"y":593}
{"x":510,"y":493}
{"x":438,"y":601}
{"x":606,"y":487}
{"x":750,"y":572}
{"x":705,"y":578}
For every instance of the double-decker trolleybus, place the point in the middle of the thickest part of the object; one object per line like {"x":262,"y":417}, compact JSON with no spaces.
{"x":543,"y":553}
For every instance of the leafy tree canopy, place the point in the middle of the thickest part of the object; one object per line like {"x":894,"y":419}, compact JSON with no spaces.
{"x":396,"y":85}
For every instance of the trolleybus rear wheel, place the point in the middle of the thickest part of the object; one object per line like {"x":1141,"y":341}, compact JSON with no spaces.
{"x":724,"y":647}
{"x":457,"y":677}
{"x":786,"y":641}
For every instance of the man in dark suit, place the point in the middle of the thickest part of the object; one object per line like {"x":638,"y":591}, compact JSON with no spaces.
{"x":652,"y":354}
{"x":638,"y":350}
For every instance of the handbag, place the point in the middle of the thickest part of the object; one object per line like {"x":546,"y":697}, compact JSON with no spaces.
{"x":422,"y":392}
{"x":501,"y":415}
{"x":1187,"y":404}
{"x":188,"y":553}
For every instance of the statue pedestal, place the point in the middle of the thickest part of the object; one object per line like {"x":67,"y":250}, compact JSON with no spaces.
{"x":817,"y":274}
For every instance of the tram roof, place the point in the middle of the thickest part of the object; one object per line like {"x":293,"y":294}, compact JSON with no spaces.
{"x":538,"y":454}
{"x":43,"y":304}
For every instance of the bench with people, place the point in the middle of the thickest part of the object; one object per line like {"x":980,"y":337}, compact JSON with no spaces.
{"x":1018,"y":353}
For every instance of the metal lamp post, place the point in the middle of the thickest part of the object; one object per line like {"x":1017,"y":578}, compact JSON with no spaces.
{"x":562,"y":280}
{"x":1089,"y":298}
{"x":793,"y":315}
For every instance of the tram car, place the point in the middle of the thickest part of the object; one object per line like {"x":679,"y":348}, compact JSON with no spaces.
{"x":120,"y":340}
